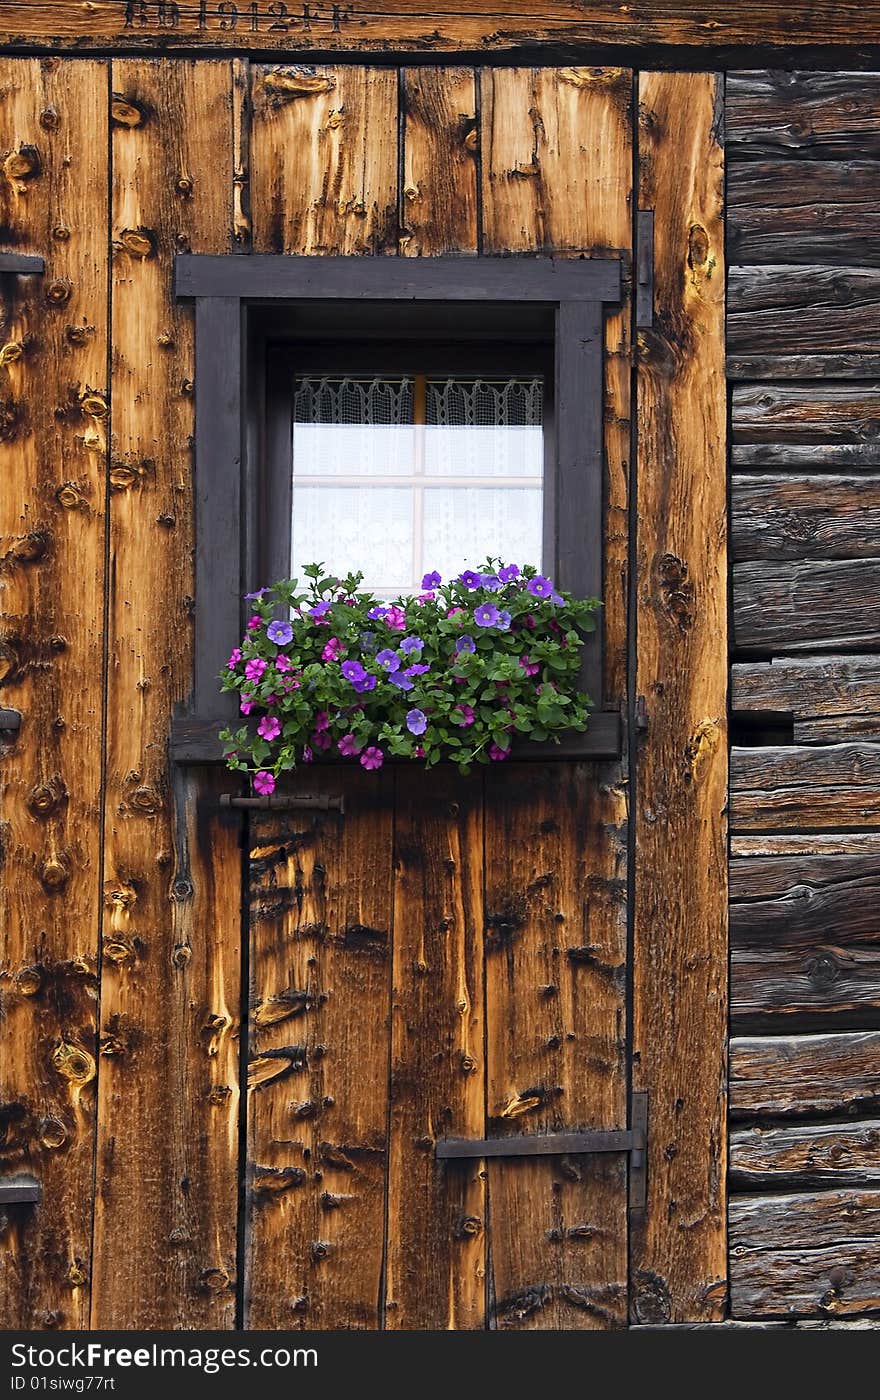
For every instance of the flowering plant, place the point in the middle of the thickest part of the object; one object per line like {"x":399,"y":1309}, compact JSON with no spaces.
{"x":453,"y":673}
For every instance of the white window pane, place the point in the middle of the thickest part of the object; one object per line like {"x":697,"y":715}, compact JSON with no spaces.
{"x":484,"y":427}
{"x":349,"y":426}
{"x":351,"y":528}
{"x":462,"y":526}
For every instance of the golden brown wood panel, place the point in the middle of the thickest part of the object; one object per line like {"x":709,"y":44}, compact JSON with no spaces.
{"x":436,"y":1210}
{"x":324,"y":160}
{"x":320,"y":920}
{"x":167,"y":1139}
{"x":440,"y":146}
{"x":53,"y":412}
{"x":440,"y":26}
{"x":556,"y":1042}
{"x":680,"y":939}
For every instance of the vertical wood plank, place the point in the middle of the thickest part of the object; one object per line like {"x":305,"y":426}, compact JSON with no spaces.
{"x":440,"y":146}
{"x":557,"y":178}
{"x":436,"y":1210}
{"x":53,"y":412}
{"x":680,"y":950}
{"x":556,"y":1056}
{"x":320,"y":904}
{"x":324,"y":160}
{"x":168,"y":1098}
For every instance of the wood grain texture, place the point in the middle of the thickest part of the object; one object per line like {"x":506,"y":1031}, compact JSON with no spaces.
{"x":839,"y":689}
{"x":53,"y":459}
{"x":324,"y":160}
{"x":774,"y":113}
{"x":827,"y":422}
{"x":803,"y":211}
{"x":855,"y":365}
{"x":804,"y":935}
{"x":860,"y":843}
{"x":793,"y":310}
{"x":556,"y":147}
{"x":555,"y":862}
{"x":810,"y":605}
{"x":441,"y":26}
{"x":436,"y":1252}
{"x":805,"y":1075}
{"x":839,"y":1154}
{"x":804,"y":517}
{"x":168,"y":1099}
{"x":813,"y":1252}
{"x":791,"y":788}
{"x":440,"y":151}
{"x":320,"y":904}
{"x":680,"y":935}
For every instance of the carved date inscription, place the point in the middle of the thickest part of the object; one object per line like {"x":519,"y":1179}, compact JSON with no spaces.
{"x":249,"y":16}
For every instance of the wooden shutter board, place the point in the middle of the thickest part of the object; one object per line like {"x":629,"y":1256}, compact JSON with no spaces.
{"x":680,"y":933}
{"x":168,"y":1103}
{"x":53,"y":458}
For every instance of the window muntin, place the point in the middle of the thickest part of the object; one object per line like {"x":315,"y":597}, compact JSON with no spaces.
{"x":399,"y":475}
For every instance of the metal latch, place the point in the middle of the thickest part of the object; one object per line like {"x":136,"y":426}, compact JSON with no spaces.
{"x":633,"y":1140}
{"x":20,"y":1190}
{"x":645,"y":267}
{"x":278,"y":802}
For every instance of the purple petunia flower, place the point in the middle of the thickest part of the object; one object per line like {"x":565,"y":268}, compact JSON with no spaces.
{"x":411,"y":644}
{"x":498,"y":755}
{"x":530,"y":668}
{"x":372,"y":758}
{"x":264,"y":783}
{"x":503,"y":623}
{"x":465,"y":643}
{"x":269,"y":727}
{"x":508,"y":573}
{"x":420,"y":669}
{"x":279,"y":633}
{"x":353,"y":671}
{"x":283,"y":663}
{"x":320,"y":740}
{"x":322,"y":720}
{"x":348,"y":746}
{"x":401,"y":680}
{"x":469,"y":579}
{"x":467,"y":715}
{"x":486,"y":615}
{"x":432,"y":580}
{"x":319,"y":609}
{"x":539,"y":586}
{"x":556,"y":598}
{"x":365,"y":683}
{"x":254,"y":622}
{"x":234,"y":658}
{"x":389,"y":659}
{"x":308,"y":756}
{"x":375,"y":613}
{"x":255,"y":596}
{"x":490,"y":581}
{"x":416,"y":721}
{"x":255,"y":668}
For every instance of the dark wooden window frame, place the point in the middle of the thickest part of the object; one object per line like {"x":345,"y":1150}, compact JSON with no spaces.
{"x":232,"y":292}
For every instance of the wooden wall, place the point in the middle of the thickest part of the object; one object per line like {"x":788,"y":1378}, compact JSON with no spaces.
{"x":804,"y":364}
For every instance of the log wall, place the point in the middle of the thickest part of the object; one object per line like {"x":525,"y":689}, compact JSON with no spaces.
{"x":803,"y":338}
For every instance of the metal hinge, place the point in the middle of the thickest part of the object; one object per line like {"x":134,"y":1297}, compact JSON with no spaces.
{"x":633,"y":1140}
{"x":645,"y":267}
{"x":641,"y":715}
{"x":279,"y":803}
{"x":20,"y":1190}
{"x":21,"y":264}
{"x":10,"y":724}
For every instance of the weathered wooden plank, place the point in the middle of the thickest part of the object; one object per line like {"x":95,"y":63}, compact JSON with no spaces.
{"x":813,"y":1252}
{"x":862,"y":843}
{"x":437,"y":1224}
{"x":835,"y":785}
{"x":804,"y":935}
{"x":782,"y":309}
{"x":440,"y":149}
{"x":762,"y":367}
{"x":803,"y":517}
{"x":820,"y":115}
{"x":324,"y":160}
{"x":808,"y":605}
{"x":805,"y":1075}
{"x":320,"y":901}
{"x":556,"y":148}
{"x":841,"y":1154}
{"x":804,"y":211}
{"x":838,"y":688}
{"x":555,"y":862}
{"x":832,"y":729}
{"x":804,"y":418}
{"x":680,"y":935}
{"x":53,"y":460}
{"x":168,"y":1103}
{"x":440,"y":26}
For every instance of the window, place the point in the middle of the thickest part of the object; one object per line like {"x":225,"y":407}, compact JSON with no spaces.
{"x":393,"y":416}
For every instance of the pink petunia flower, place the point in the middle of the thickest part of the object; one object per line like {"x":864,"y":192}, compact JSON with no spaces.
{"x":282,"y":662}
{"x":467,"y":715}
{"x":234,"y":658}
{"x":246,"y":705}
{"x":496,"y":754}
{"x":348,"y":746}
{"x":264,"y":783}
{"x":322,"y":720}
{"x":255,"y":668}
{"x":254,"y":622}
{"x":530,"y":668}
{"x":269,"y":727}
{"x":320,"y":739}
{"x":372,"y":758}
{"x":529,"y":622}
{"x":308,"y":756}
{"x":418,"y":751}
{"x":271,"y":700}
{"x":396,"y":619}
{"x":333,"y":650}
{"x":426,"y":598}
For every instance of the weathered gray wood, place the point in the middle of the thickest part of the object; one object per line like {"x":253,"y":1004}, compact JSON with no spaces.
{"x":806,"y":418}
{"x":774,"y":113}
{"x":833,"y":728}
{"x":782,"y":456}
{"x":803,"y":517}
{"x":807,"y":1253}
{"x":807,"y":605}
{"x":800,"y":211}
{"x":783,"y":309}
{"x":804,"y":788}
{"x":805,"y":1075}
{"x":802,"y":876}
{"x":843,"y":1154}
{"x":850,"y":366}
{"x":860,"y":843}
{"x":836,"y":765}
{"x":836,"y":687}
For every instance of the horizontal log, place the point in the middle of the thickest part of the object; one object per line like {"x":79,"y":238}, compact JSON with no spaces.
{"x":805,"y":457}
{"x":832,"y":687}
{"x":810,"y":604}
{"x":805,"y":1253}
{"x":832,"y":729}
{"x":817,"y":115}
{"x":805,"y":788}
{"x":839,"y":1154}
{"x":807,"y":417}
{"x":804,"y":935}
{"x":821,"y":843}
{"x":783,"y":309}
{"x":801,"y":517}
{"x":799,"y":211}
{"x":805,"y":1075}
{"x":849,"y":366}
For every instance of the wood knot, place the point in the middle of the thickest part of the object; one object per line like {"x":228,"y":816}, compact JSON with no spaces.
{"x":300,"y":80}
{"x":120,"y":950}
{"x":213,"y":1280}
{"x":146,"y":801}
{"x":70,"y":497}
{"x":526,"y":1102}
{"x":73,"y":1063}
{"x":59,"y":291}
{"x":471,"y":136}
{"x":60,"y":232}
{"x":700,"y":746}
{"x":55,"y":873}
{"x":11,"y":351}
{"x":94,"y":403}
{"x":676,"y":590}
{"x":138,"y":242}
{"x":181,"y":956}
{"x":52,"y":1133}
{"x":270,"y":1182}
{"x":119,"y":896}
{"x":468,"y":1227}
{"x":652,"y":1302}
{"x":22,"y":165}
{"x":823,"y":971}
{"x":46,"y":797}
{"x":49,"y":119}
{"x":184,"y":185}
{"x":468,"y":1064}
{"x":319,"y":1250}
{"x":126,"y":112}
{"x":212,"y":1032}
{"x":76,"y":1274}
{"x":31,"y":548}
{"x":28,"y":981}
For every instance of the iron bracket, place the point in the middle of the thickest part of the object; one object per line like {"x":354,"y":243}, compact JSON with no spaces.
{"x":278,"y":802}
{"x":645,"y":267}
{"x":21,"y":264}
{"x":10,"y":723}
{"x":20,"y":1190}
